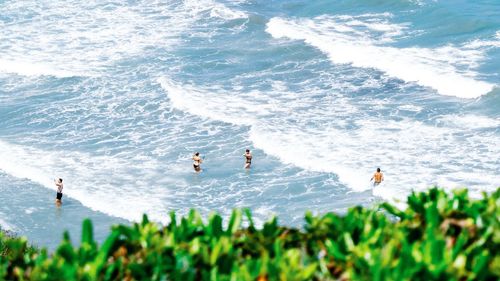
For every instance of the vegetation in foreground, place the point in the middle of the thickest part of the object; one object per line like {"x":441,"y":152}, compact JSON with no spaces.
{"x":439,"y":236}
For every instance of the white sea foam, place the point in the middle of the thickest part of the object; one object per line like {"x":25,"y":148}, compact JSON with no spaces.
{"x":485,"y":43}
{"x":85,"y":38}
{"x":413,"y":155}
{"x":367,"y":25}
{"x":242,"y":110}
{"x":441,"y":69}
{"x":103,"y":183}
{"x":29,"y":210}
{"x":470,"y":121}
{"x":410,"y":107}
{"x":224,"y":12}
{"x":213,"y":8}
{"x":34,"y":69}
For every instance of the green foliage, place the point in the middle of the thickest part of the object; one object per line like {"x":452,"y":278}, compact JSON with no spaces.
{"x":439,"y":236}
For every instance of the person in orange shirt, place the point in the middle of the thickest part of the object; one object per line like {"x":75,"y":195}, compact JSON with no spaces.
{"x":377,"y":178}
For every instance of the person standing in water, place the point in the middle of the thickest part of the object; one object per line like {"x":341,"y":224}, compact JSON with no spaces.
{"x":248,"y":157}
{"x":59,"y":185}
{"x":197,"y":162}
{"x":377,"y":178}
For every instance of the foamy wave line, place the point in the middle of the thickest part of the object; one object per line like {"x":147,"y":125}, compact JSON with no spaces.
{"x":87,"y":179}
{"x":224,"y":12}
{"x":217,"y":10}
{"x":491,"y":43}
{"x":427,"y":67}
{"x":34,"y":69}
{"x":239,"y":111}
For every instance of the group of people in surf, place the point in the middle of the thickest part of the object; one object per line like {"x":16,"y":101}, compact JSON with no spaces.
{"x":197,"y":160}
{"x":377,"y":178}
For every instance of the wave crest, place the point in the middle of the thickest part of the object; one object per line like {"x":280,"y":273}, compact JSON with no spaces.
{"x":435,"y":68}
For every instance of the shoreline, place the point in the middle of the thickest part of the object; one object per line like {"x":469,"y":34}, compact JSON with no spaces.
{"x":45,"y":224}
{"x":29,"y":210}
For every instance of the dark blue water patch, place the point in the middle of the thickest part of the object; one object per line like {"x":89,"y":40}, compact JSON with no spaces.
{"x":491,"y":63}
{"x":450,"y":22}
{"x":488,"y":104}
{"x":30,"y":209}
{"x":352,"y":7}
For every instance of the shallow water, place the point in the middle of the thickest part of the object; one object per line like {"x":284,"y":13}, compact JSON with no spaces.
{"x":115,"y":97}
{"x":30,"y":210}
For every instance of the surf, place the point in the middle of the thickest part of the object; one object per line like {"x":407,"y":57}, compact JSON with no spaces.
{"x":90,"y":179}
{"x":340,"y":39}
{"x":400,"y":146}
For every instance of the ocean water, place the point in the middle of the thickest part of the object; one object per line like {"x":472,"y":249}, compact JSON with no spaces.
{"x":115,"y":97}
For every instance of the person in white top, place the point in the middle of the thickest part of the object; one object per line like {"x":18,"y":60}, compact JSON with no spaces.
{"x":59,"y":185}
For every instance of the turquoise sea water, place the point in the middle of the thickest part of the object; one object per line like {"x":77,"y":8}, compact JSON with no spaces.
{"x":115,"y":96}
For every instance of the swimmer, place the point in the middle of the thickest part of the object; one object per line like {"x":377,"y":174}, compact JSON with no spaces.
{"x":377,"y":178}
{"x":59,"y":185}
{"x":248,"y":157}
{"x":197,"y":162}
